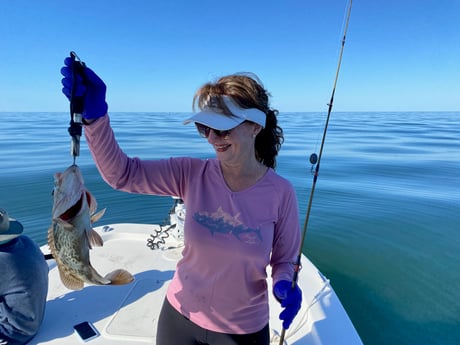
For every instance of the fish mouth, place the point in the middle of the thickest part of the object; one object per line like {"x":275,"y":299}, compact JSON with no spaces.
{"x":75,"y":209}
{"x":72,"y":211}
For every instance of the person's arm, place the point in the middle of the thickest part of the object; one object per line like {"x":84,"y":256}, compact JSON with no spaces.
{"x":133,"y":175}
{"x":284,"y":253}
{"x":286,"y":241}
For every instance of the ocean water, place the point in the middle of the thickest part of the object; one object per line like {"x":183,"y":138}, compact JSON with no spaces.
{"x":384,"y":225}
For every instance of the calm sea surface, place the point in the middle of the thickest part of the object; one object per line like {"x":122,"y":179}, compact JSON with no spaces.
{"x":384,"y":225}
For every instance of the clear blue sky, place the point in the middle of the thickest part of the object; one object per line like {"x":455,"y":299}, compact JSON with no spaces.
{"x":399,"y":55}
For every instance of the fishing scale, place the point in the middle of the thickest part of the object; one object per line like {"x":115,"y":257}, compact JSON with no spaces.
{"x":77,"y":105}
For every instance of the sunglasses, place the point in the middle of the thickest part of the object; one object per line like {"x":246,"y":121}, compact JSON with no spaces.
{"x":205,"y":130}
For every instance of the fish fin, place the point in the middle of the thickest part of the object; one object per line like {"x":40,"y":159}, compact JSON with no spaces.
{"x":69,"y":280}
{"x":92,"y":203}
{"x":119,"y":277}
{"x":51,"y":243}
{"x":95,"y":217}
{"x":94,"y":239}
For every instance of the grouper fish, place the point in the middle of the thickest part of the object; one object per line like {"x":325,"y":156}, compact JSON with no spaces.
{"x":71,"y":236}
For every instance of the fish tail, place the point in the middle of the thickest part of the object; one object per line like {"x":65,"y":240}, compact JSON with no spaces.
{"x":119,"y":277}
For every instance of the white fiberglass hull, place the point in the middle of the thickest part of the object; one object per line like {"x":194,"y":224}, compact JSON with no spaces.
{"x":128,"y":314}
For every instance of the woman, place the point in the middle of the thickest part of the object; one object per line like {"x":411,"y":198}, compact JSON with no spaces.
{"x":241,"y":215}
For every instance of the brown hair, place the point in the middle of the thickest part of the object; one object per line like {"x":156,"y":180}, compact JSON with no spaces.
{"x":248,"y":92}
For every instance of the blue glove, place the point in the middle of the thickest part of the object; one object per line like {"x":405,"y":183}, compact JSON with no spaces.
{"x":88,"y":85}
{"x":290,"y":299}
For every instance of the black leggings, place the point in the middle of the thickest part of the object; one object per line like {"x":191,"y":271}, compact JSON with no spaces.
{"x":174,"y":329}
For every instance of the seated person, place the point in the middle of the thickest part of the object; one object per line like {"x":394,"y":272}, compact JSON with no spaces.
{"x":23,"y":283}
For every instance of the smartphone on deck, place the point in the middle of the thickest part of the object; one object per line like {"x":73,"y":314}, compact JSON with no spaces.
{"x":86,"y":331}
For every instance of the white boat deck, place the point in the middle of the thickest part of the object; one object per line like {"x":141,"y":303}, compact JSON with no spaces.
{"x":128,"y":314}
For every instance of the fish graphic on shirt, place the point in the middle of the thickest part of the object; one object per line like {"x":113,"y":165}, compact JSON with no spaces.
{"x":223,"y":223}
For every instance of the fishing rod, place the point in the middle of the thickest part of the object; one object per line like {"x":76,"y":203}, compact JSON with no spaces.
{"x":316,"y":159}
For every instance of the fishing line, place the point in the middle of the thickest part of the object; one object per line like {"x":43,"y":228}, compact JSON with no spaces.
{"x":317,"y":158}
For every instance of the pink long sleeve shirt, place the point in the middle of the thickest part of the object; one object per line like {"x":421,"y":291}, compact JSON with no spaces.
{"x":230,"y":237}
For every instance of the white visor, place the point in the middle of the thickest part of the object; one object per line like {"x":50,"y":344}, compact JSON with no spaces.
{"x":214,"y":118}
